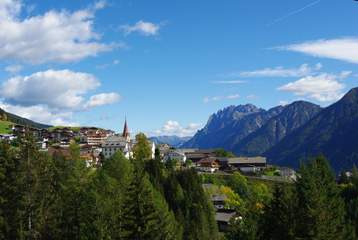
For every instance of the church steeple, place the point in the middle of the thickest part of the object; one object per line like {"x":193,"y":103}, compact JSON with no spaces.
{"x":125,"y":133}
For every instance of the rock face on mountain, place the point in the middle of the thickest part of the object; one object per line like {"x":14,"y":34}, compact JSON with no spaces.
{"x":174,"y":141}
{"x":229,"y":126}
{"x":333,"y":132}
{"x":292,"y":117}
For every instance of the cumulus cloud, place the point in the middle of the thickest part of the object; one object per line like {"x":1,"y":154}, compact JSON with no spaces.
{"x":141,"y":27}
{"x":280,"y":71}
{"x":9,"y":8}
{"x":171,"y":128}
{"x":323,"y":87}
{"x":57,"y":89}
{"x":52,"y":96}
{"x":55,"y":36}
{"x":102,"y":99}
{"x":345,"y":49}
{"x":218,"y":98}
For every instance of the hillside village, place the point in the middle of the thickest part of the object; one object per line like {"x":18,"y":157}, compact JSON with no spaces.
{"x":243,"y":120}
{"x":97,"y":144}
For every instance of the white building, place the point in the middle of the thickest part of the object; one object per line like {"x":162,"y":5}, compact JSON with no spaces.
{"x":8,"y":137}
{"x":175,"y":155}
{"x":115,"y":143}
{"x":153,"y":149}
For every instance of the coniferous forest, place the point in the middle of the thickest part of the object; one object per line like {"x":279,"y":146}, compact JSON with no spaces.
{"x":58,"y":197}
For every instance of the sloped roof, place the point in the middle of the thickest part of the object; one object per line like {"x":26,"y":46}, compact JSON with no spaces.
{"x":224,"y":217}
{"x":243,"y":160}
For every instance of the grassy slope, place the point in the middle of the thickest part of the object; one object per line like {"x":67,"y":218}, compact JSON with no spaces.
{"x":5,"y":126}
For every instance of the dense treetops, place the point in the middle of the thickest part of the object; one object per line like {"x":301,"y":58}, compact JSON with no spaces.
{"x":43,"y":197}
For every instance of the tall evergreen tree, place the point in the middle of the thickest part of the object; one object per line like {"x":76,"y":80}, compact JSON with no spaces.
{"x":76,"y":204}
{"x":155,"y":170}
{"x":10,"y":195}
{"x":320,"y":209}
{"x":199,"y":220}
{"x":350,"y":195}
{"x":29,"y":158}
{"x":145,"y":215}
{"x":278,"y":221}
{"x":109,"y":185}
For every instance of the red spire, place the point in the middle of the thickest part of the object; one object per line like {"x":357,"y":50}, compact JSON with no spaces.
{"x":125,"y":130}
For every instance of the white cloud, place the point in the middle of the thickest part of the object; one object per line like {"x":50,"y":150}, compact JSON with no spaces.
{"x":172,"y":128}
{"x":144,"y":28}
{"x":100,"y":5}
{"x":301,"y":71}
{"x":233,"y":96}
{"x":13,"y":69}
{"x":102,"y":99}
{"x":9,"y":8}
{"x":40,"y":113}
{"x":218,"y":98}
{"x":345,"y":49}
{"x":55,"y":36}
{"x":52,"y":96}
{"x":323,"y":87}
{"x":61,"y":89}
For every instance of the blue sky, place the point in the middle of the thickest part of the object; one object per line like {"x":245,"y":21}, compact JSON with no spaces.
{"x":168,"y":65}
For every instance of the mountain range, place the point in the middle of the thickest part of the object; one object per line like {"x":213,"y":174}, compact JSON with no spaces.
{"x":173,"y":141}
{"x":333,"y":132}
{"x":286,"y":135}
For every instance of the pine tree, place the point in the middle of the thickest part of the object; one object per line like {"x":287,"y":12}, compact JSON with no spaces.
{"x":29,"y":157}
{"x":350,"y":195}
{"x":155,"y":170}
{"x":199,"y":220}
{"x":144,"y":215}
{"x":157,"y":156}
{"x":320,"y":209}
{"x":109,"y":184}
{"x":278,"y":222}
{"x":10,"y":195}
{"x":76,"y":212}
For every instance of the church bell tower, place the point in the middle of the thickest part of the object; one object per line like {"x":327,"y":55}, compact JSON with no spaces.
{"x":126,"y":133}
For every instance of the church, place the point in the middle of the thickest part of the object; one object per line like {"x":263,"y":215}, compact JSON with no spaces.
{"x":118,"y":142}
{"x":121,"y":142}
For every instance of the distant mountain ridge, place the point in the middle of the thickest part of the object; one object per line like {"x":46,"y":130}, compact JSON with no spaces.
{"x":6,"y":116}
{"x":248,"y":130}
{"x":287,"y":134}
{"x":290,"y":118}
{"x":174,"y":141}
{"x":333,"y":132}
{"x":230,"y":125}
